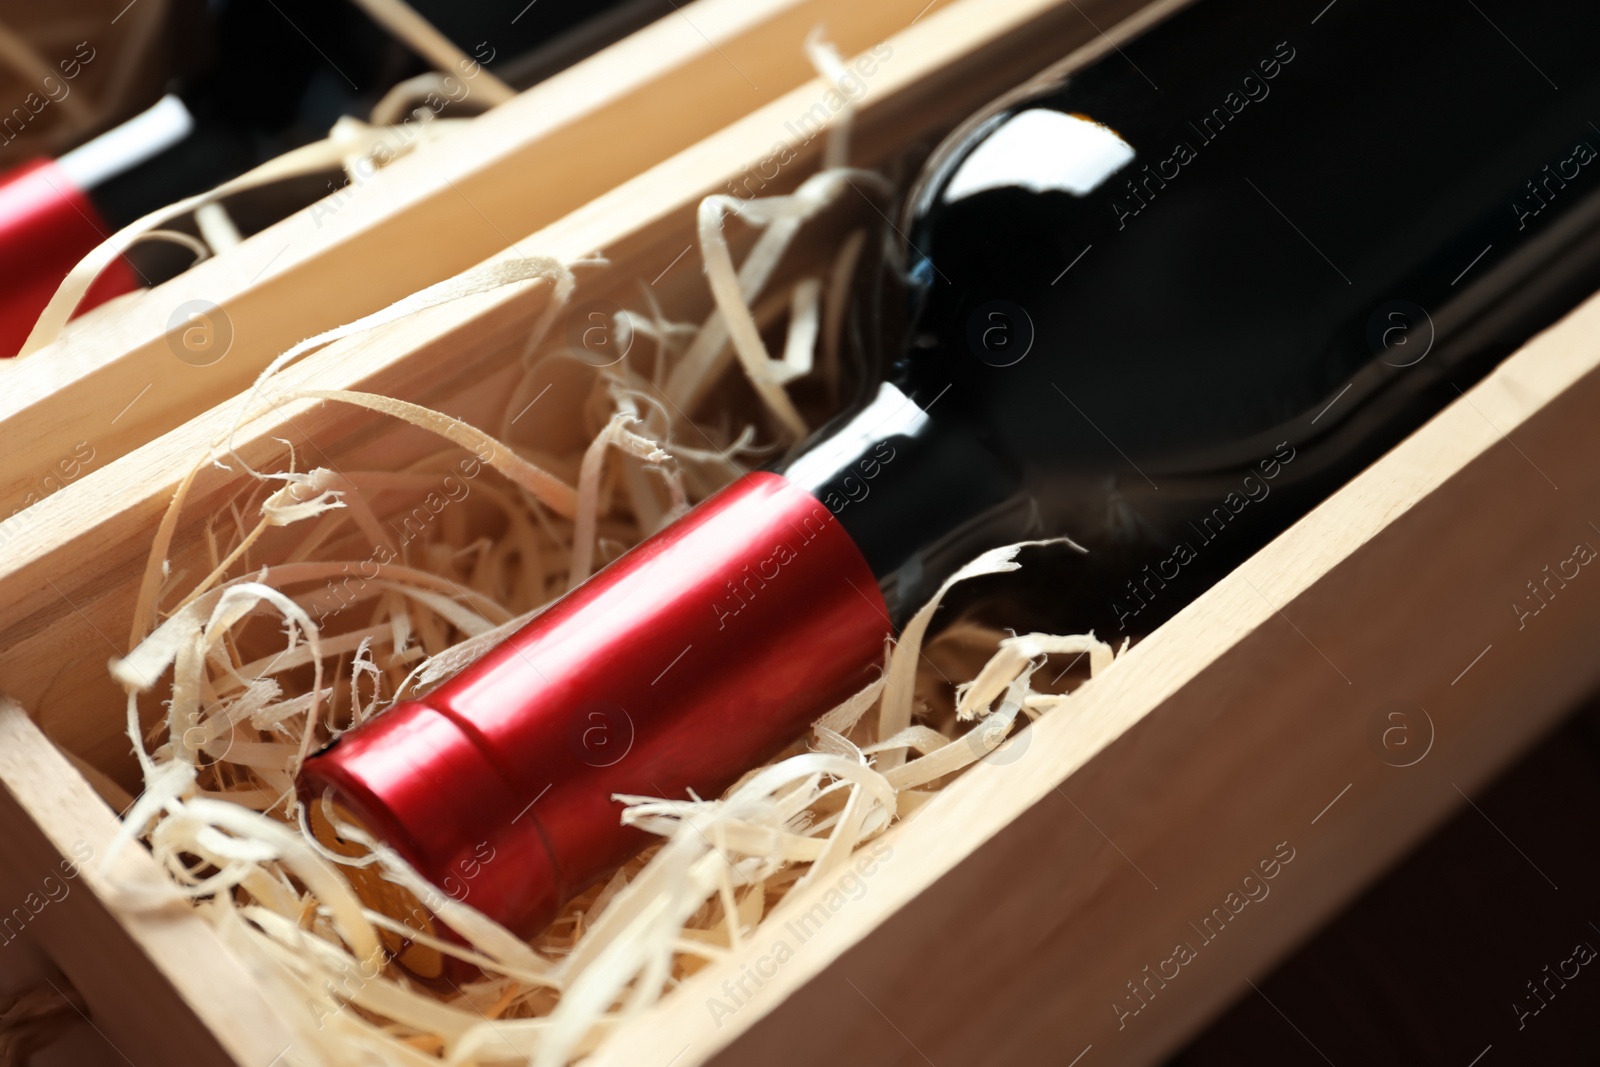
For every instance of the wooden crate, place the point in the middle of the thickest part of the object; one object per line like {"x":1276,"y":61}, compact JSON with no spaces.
{"x":1023,"y":904}
{"x":113,"y":382}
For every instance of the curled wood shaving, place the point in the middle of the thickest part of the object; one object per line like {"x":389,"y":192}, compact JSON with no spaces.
{"x":781,"y":217}
{"x":549,"y":490}
{"x":830,"y":64}
{"x":348,"y":139}
{"x":216,"y":227}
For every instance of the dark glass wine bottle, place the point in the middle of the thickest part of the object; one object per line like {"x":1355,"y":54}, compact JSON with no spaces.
{"x":1162,"y":306}
{"x":1169,"y":303}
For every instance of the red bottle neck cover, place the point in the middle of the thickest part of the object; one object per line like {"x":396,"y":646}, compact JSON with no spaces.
{"x":691,"y":659}
{"x":47,"y":224}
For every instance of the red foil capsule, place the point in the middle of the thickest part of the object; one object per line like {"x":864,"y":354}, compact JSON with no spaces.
{"x":692,"y":658}
{"x":47,"y":224}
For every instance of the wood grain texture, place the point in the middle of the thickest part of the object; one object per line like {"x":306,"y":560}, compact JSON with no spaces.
{"x":163,"y":989}
{"x":1018,"y":905}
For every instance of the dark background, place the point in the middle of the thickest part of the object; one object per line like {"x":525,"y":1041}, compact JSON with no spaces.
{"x":1425,"y":966}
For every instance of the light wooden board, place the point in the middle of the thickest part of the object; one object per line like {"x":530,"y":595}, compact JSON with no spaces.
{"x":113,"y":382}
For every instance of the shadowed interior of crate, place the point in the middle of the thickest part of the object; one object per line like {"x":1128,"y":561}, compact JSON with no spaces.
{"x":66,"y":622}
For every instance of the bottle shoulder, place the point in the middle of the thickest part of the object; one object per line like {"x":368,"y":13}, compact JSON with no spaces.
{"x":1188,"y":247}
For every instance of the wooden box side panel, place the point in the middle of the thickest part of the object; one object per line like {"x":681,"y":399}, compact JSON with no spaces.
{"x":159,"y":985}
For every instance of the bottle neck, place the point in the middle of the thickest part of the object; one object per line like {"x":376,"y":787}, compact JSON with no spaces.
{"x":918,"y":493}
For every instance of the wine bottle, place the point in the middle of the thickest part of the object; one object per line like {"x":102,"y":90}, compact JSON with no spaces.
{"x":1161,"y":305}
